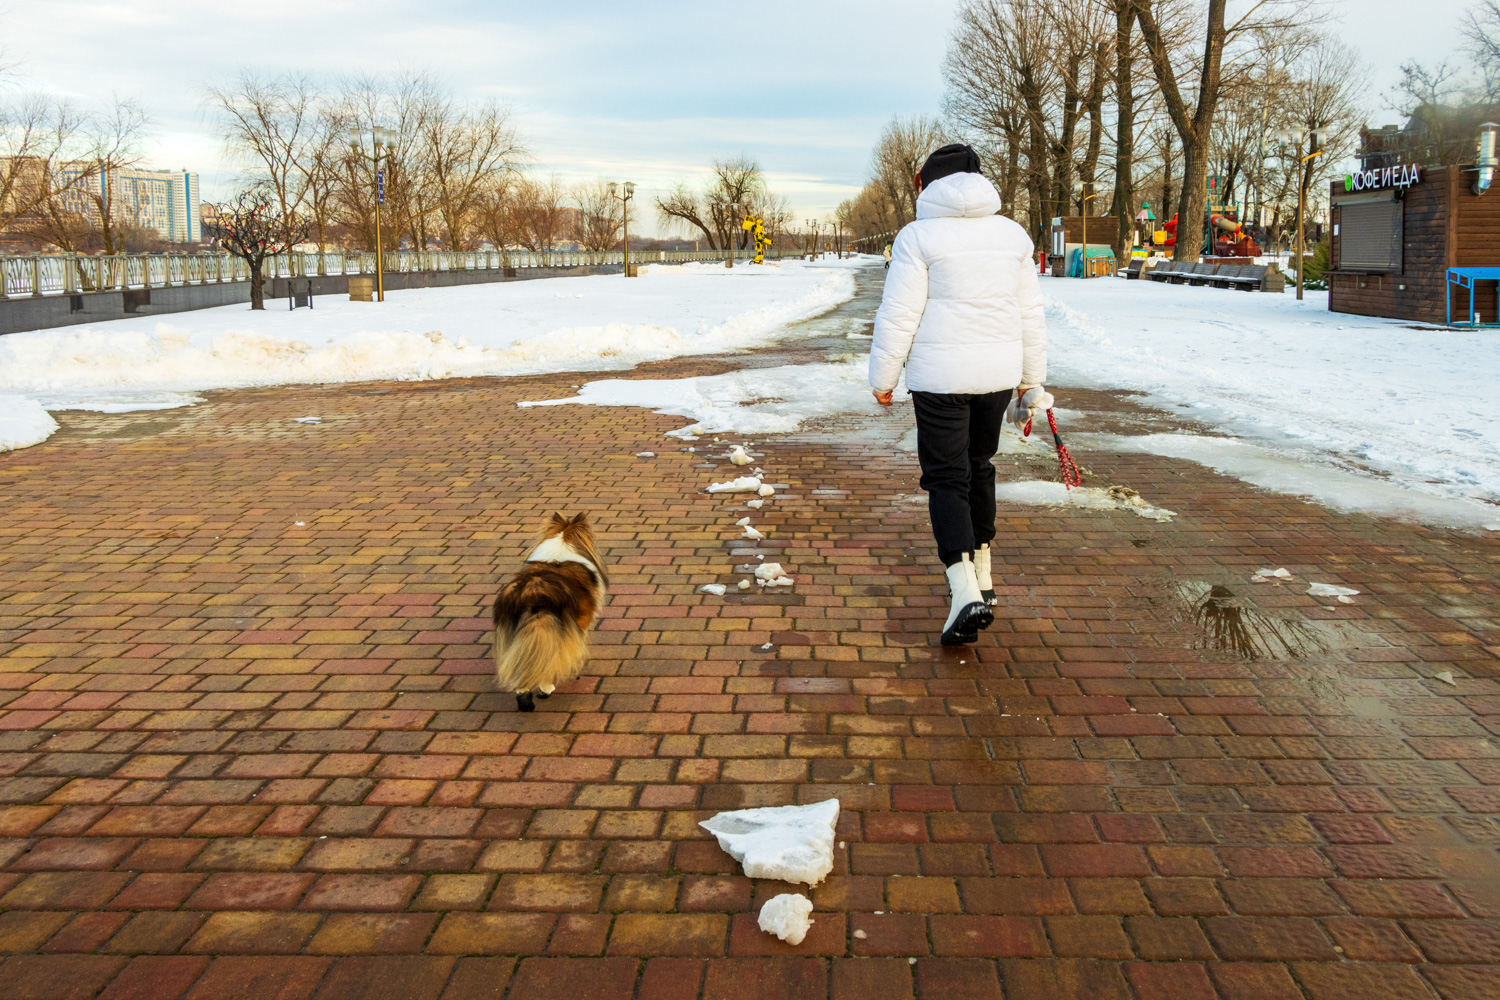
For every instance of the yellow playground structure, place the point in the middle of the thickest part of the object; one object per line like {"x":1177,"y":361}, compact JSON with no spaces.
{"x":757,"y":227}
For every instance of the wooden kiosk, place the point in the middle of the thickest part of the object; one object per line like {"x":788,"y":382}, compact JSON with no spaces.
{"x":1415,"y":243}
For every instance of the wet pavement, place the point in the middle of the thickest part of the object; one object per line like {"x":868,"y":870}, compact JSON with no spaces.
{"x":250,"y":745}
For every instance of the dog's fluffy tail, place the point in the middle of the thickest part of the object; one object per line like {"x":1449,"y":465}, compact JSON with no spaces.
{"x":543,"y":650}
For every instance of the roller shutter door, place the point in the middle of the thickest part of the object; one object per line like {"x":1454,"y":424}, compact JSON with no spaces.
{"x":1370,"y":231}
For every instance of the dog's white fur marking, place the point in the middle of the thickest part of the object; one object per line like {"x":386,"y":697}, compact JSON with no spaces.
{"x":555,"y":550}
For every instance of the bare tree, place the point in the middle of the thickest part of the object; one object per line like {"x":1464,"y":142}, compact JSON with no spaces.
{"x":735,"y":186}
{"x":540,"y":213}
{"x":465,"y":148}
{"x":268,"y":124}
{"x":904,"y":145}
{"x":253,"y":228}
{"x":42,"y":142}
{"x":598,"y":218}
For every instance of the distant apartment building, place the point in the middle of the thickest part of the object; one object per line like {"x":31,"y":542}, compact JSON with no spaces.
{"x":164,"y":200}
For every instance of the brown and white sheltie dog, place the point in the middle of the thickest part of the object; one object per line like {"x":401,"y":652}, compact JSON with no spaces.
{"x":543,"y":614}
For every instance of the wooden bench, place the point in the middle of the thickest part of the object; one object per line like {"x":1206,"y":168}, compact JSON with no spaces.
{"x":1133,"y":269}
{"x":1162,"y":271}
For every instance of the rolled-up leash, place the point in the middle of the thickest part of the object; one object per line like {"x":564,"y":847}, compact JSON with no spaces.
{"x":1069,"y":472}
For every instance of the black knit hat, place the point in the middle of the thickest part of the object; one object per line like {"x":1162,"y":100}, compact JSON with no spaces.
{"x":954,"y":158}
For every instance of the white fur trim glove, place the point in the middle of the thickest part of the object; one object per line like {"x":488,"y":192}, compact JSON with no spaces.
{"x":1024,"y":406}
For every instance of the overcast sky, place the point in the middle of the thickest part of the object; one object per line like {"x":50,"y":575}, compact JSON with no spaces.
{"x":649,"y":92}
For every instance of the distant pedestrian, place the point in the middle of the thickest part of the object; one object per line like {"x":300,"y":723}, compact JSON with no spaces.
{"x":887,"y":256}
{"x":962,"y":313}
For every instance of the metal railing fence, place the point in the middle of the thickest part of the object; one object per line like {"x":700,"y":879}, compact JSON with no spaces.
{"x":73,"y":274}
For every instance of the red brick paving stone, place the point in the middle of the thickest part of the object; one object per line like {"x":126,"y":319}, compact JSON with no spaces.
{"x":56,"y":977}
{"x":212,"y":754}
{"x":1063,"y":978}
{"x":957,"y":979}
{"x":765,"y":979}
{"x":409,"y":977}
{"x":1346,"y":981}
{"x":671,"y":979}
{"x":155,"y":977}
{"x":1464,"y":982}
{"x":479,"y":979}
{"x":867,"y":979}
{"x":1170,"y":981}
{"x":280,"y":977}
{"x":574,"y":978}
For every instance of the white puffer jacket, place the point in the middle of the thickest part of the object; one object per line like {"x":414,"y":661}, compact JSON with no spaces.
{"x":962,"y":308}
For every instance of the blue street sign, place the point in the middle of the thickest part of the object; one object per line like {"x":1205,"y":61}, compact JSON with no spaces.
{"x":379,"y":188}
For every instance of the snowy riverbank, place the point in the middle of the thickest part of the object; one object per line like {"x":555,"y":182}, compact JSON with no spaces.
{"x":591,"y":323}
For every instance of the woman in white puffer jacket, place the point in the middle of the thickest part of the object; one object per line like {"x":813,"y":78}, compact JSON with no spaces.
{"x":962,"y":313}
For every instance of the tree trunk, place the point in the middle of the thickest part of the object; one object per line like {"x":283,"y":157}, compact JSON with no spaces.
{"x":1122,"y":207}
{"x":257,"y":293}
{"x":1193,"y":201}
{"x":1166,"y":175}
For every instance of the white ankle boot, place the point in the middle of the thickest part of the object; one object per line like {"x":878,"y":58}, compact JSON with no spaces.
{"x":969,"y":613}
{"x":982,"y":575}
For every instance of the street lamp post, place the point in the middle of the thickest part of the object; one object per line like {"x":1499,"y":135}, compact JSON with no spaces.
{"x":1315,"y":136}
{"x":1078,"y":189}
{"x":384,"y":142}
{"x":624,"y":195}
{"x":812,"y":229}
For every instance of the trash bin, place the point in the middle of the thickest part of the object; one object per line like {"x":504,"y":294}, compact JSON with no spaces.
{"x":361,"y":289}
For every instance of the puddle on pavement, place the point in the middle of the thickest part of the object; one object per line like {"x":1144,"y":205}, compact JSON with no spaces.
{"x":1215,"y":618}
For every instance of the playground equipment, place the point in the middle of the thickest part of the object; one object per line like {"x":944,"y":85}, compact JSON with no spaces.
{"x":757,"y":228}
{"x":1222,"y":234}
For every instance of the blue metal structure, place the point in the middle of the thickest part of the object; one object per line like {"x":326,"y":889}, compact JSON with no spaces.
{"x":1464,"y":278}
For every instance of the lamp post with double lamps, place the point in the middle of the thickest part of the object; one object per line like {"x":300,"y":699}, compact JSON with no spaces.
{"x":384,"y":142}
{"x":1315,"y":137}
{"x":624,"y":194}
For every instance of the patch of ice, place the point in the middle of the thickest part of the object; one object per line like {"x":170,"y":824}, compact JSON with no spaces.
{"x":1330,"y":590}
{"x":744,"y":484}
{"x":1052,"y":493}
{"x":717,"y":589}
{"x":23,"y":423}
{"x":788,"y":916}
{"x":115,"y":400}
{"x":790,"y":843}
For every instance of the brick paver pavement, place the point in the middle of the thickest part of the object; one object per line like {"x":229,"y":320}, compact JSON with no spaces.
{"x":251,"y":747}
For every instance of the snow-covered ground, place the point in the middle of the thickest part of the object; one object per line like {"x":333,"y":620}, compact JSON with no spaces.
{"x":551,"y":324}
{"x":23,"y":422}
{"x":1373,"y":396}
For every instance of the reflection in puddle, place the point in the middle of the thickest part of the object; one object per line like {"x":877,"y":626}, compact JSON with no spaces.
{"x":1226,"y":623}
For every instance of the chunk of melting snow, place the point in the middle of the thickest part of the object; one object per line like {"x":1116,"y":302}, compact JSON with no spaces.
{"x":1267,"y":575}
{"x":739,"y":456}
{"x":1492,"y":527}
{"x":788,"y":916}
{"x":744,"y":484}
{"x":752,"y":534}
{"x":772,"y":575}
{"x":790,"y":843}
{"x":743,"y":521}
{"x":1446,"y":676}
{"x":645,"y":454}
{"x":309,"y":420}
{"x":766,"y":646}
{"x":766,"y":491}
{"x":717,"y":589}
{"x":755,"y":504}
{"x":1330,"y":590}
{"x":861,"y":935}
{"x":744,"y":584}
{"x":299,"y":524}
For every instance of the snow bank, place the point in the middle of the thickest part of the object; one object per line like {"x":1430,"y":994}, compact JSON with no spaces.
{"x":1326,"y":386}
{"x":750,"y":401}
{"x":788,"y":916}
{"x":790,"y":843}
{"x":1055,"y":494}
{"x":550,"y":324}
{"x":23,"y":423}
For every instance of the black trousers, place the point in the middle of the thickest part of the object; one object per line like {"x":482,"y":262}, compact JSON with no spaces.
{"x":957,"y":435}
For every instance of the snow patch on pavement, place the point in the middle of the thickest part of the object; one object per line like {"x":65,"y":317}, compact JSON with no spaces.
{"x":23,"y":422}
{"x":790,"y":843}
{"x":1276,"y":470}
{"x":749,"y":401}
{"x":1329,"y":387}
{"x":1055,"y":494}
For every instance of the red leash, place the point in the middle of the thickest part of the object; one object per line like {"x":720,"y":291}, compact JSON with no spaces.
{"x":1071,"y":477}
